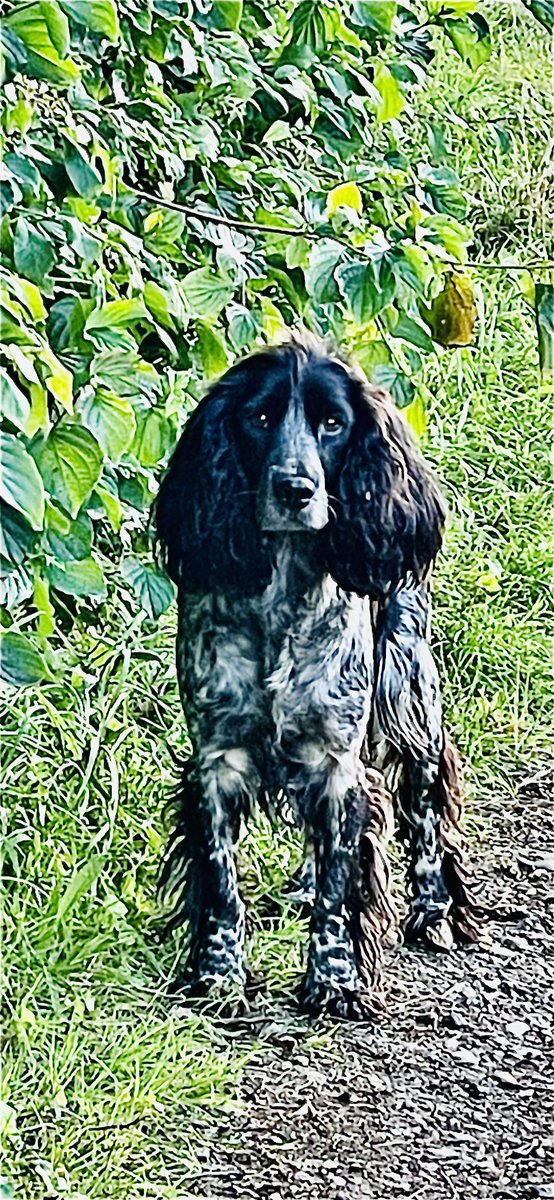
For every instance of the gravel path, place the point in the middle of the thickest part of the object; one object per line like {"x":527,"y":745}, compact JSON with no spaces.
{"x":450,"y":1096}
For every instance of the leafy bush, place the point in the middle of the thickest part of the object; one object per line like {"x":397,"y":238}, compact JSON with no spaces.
{"x":116,"y":306}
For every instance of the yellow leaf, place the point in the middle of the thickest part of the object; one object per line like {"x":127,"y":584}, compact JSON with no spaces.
{"x":38,"y":417}
{"x":59,"y":380}
{"x":454,"y":312}
{"x":489,"y":581}
{"x":41,"y":598}
{"x":273,"y":324}
{"x":26,"y":1016}
{"x":32,"y":299}
{"x":392,"y":100}
{"x":152,"y":220}
{"x":345,"y":195}
{"x":416,"y":416}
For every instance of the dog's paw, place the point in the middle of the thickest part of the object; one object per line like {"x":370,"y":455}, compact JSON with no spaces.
{"x":220,"y":995}
{"x":433,"y":930}
{"x":318,"y":999}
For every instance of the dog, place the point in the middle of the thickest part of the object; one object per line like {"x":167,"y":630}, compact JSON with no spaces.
{"x":300,"y":525}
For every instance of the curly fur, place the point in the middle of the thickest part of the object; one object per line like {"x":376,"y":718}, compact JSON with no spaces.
{"x":300,"y":524}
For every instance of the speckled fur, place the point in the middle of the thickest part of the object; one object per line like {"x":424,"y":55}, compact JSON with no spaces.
{"x":300,"y":690}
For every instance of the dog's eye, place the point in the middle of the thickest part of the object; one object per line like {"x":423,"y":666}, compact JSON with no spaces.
{"x":261,"y":419}
{"x":331,"y":424}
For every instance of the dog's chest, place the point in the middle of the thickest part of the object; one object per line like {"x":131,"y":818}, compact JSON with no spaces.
{"x":292,"y":667}
{"x":317,"y":659}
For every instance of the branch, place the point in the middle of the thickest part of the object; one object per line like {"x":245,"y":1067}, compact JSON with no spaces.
{"x":311,"y":234}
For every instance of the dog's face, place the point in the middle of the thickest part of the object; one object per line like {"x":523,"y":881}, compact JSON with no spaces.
{"x":292,"y":432}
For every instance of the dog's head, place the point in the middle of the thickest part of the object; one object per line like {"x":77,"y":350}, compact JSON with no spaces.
{"x":294,"y":440}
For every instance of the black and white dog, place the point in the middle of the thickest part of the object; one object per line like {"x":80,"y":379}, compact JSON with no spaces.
{"x":300,"y":525}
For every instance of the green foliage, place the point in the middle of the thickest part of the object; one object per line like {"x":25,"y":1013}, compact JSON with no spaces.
{"x":116,"y":310}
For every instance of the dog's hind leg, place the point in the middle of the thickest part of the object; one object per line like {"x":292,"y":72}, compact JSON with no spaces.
{"x":199,"y":870}
{"x":443,"y":907}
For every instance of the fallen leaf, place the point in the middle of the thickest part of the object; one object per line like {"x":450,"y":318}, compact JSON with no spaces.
{"x":517,"y":1028}
{"x":506,"y":1079}
{"x":541,"y":862}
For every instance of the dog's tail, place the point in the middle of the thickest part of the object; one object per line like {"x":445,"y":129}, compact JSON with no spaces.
{"x":467,"y":915}
{"x":373,"y":918}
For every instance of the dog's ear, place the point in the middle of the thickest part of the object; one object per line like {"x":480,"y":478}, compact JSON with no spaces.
{"x":389,"y":512}
{"x":204,"y":514}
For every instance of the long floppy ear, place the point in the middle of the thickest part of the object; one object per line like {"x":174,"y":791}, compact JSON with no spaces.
{"x":390,"y":513}
{"x":204,"y":513}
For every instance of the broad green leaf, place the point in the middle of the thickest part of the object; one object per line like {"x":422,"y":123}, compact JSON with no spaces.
{"x":98,"y":15}
{"x":297,"y":252}
{"x":126,"y":375}
{"x":447,"y":232}
{"x":543,"y":10}
{"x":413,"y":331}
{"x":112,"y":506}
{"x":33,"y":252}
{"x":470,"y":35}
{"x":111,"y":419}
{"x":82,"y":578}
{"x":21,"y":664}
{"x":67,"y":540}
{"x":244,"y":326}
{"x":152,"y":439}
{"x":78,"y":886}
{"x":345,"y":195}
{"x":401,"y":388}
{"x":206,"y":293}
{"x":370,"y":354}
{"x":15,"y":404}
{"x":70,"y":462}
{"x":66,"y":321}
{"x":213,"y":351}
{"x":225,"y":14}
{"x":374,"y":14}
{"x":279,"y":131}
{"x":20,"y":481}
{"x":16,"y":536}
{"x":321,"y":284}
{"x":25,"y":173}
{"x":116,"y":314}
{"x":152,"y":588}
{"x":165,"y":304}
{"x":83,"y":176}
{"x":392,"y":99}
{"x":544,"y":315}
{"x":443,"y":188}
{"x":43,"y":29}
{"x":358,"y":287}
{"x":413,"y":265}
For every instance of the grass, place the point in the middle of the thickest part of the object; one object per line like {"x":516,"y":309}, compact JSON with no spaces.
{"x":108,"y":1094}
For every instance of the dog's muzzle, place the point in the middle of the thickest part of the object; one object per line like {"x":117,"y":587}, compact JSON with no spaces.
{"x":292,"y":500}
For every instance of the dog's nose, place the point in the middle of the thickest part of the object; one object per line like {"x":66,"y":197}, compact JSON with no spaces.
{"x":294,"y":491}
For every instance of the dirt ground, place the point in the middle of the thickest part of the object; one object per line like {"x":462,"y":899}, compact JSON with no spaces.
{"x":451,"y":1095}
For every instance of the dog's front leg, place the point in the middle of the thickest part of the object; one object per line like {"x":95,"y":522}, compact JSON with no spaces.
{"x":352,"y":910}
{"x":200,"y":869}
